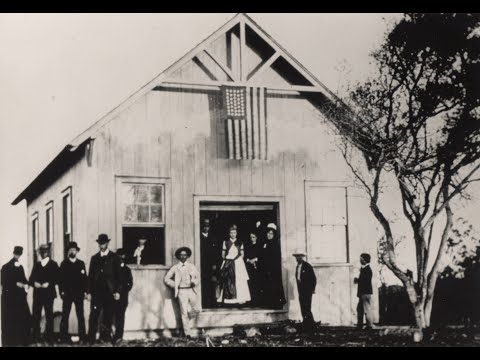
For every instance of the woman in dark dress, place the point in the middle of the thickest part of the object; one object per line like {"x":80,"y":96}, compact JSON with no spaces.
{"x":270,"y":270}
{"x":16,"y":316}
{"x":252,"y":255}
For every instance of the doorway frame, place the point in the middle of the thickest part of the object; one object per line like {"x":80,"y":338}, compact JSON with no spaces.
{"x":280,"y":200}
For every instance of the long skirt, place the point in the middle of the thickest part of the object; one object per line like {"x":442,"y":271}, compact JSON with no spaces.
{"x":234,"y":282}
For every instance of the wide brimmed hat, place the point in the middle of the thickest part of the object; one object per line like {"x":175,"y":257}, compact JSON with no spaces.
{"x":18,"y":250}
{"x":183,"y":248}
{"x":103,"y":239}
{"x":73,"y":245}
{"x":299,"y":252}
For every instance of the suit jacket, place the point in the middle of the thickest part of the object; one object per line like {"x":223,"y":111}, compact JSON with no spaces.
{"x":308,"y":280}
{"x":42,"y":274}
{"x":104,"y":274}
{"x":365,"y":281}
{"x":173,"y":276}
{"x":12,"y":274}
{"x":146,"y":256}
{"x":73,"y":280}
{"x":126,"y":279}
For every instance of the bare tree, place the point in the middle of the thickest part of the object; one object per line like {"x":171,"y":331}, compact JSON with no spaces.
{"x":418,"y":119}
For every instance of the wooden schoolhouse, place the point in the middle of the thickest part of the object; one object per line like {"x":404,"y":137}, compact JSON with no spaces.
{"x":234,"y":132}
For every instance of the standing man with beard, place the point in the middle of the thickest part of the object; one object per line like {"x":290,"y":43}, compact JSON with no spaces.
{"x":44,"y":277}
{"x":73,"y":284}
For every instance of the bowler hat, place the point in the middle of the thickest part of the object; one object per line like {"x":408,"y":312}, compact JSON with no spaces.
{"x":103,"y":239}
{"x":183,"y":248}
{"x":73,"y":245}
{"x":18,"y":250}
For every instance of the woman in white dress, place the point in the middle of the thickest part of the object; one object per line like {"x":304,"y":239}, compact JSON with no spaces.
{"x":233,"y":273}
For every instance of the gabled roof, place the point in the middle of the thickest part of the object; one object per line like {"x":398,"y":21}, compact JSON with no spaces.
{"x":53,"y":169}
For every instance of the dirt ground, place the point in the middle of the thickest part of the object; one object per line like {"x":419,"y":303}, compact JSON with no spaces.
{"x":287,"y":334}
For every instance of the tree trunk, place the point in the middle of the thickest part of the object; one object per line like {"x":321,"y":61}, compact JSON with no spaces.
{"x":428,"y":310}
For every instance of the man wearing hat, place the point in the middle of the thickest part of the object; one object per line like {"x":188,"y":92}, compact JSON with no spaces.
{"x":104,"y":289}
{"x":73,"y":283}
{"x":184,"y":279}
{"x":211,"y":260}
{"x":43,"y":278}
{"x":16,"y":317}
{"x":121,"y":305}
{"x":306,"y":283}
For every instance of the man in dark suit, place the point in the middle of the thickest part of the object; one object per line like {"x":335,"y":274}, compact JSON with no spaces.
{"x":104,"y":289}
{"x":143,"y":253}
{"x":73,"y":283}
{"x":364,"y":293}
{"x":121,"y":305}
{"x":16,"y":317}
{"x":306,"y":283}
{"x":211,"y":252}
{"x":43,"y":278}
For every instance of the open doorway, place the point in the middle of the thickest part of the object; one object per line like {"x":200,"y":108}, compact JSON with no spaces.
{"x":215,"y":221}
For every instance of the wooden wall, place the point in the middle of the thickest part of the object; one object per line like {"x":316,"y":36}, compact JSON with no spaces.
{"x":179,"y":135}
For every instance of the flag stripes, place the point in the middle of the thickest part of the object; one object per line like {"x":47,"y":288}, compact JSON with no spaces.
{"x":246,"y":122}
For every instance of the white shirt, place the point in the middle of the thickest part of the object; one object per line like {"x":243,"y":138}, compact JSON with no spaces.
{"x":205,"y":234}
{"x":138,"y":253}
{"x":72,"y":260}
{"x":104,"y":253}
{"x":364,"y":266}
{"x":45,"y":261}
{"x":299,"y":270}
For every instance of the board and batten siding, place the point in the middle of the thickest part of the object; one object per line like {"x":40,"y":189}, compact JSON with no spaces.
{"x":179,"y":134}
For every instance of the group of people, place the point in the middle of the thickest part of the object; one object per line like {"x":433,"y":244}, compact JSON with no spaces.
{"x":238,"y":273}
{"x":106,"y":285}
{"x":241,"y":274}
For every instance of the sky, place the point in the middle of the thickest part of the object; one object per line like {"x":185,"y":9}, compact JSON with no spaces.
{"x":59,"y":73}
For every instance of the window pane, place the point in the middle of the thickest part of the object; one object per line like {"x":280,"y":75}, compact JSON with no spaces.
{"x":156,"y":194}
{"x":130,"y":213}
{"x":156,"y":213}
{"x":128,"y":193}
{"x":142,"y":213}
{"x":141,"y":193}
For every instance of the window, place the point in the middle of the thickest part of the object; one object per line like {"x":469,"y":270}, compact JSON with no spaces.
{"x":67,"y":218}
{"x":35,"y":236}
{"x":142,"y":211}
{"x":49,"y":222}
{"x":327,"y":223}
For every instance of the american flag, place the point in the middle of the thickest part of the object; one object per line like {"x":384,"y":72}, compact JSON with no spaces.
{"x":246,"y":122}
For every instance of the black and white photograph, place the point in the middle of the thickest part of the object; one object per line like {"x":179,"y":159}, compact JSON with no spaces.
{"x":240,"y":179}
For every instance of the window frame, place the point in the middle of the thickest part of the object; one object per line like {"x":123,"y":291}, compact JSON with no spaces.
{"x":49,"y":207}
{"x":67,"y":193}
{"x":35,"y":231}
{"x":308,"y":222}
{"x":166,"y":206}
